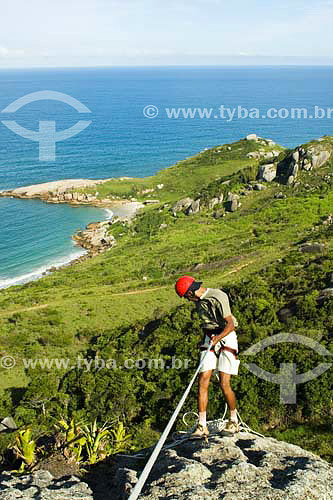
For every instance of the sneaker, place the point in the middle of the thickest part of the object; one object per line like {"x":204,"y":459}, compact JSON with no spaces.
{"x":200,"y":432}
{"x":231,"y":427}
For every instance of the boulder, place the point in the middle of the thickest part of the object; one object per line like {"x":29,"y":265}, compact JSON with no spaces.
{"x":294,"y":169}
{"x":182,"y":204}
{"x":328,"y":220}
{"x":218,"y":214}
{"x":312,"y":248}
{"x":279,"y":196}
{"x":253,"y":154}
{"x":212,"y":203}
{"x":320,"y":159}
{"x":267,"y":172}
{"x":296,"y":156}
{"x":252,"y":137}
{"x":307,"y":165}
{"x":325,"y":294}
{"x":194,"y":208}
{"x":232,"y":202}
{"x":259,"y":187}
{"x":8,"y":425}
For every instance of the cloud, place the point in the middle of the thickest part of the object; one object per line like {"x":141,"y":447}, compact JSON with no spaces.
{"x":7,"y":53}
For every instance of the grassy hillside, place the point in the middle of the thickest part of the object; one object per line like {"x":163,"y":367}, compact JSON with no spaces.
{"x":121,"y":304}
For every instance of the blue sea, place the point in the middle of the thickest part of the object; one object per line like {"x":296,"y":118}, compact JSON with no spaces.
{"x":121,"y":141}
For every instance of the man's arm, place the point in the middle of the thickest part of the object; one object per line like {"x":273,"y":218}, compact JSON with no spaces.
{"x":229,"y":327}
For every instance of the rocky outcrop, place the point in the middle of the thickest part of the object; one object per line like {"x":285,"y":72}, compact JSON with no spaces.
{"x":268,"y":155}
{"x":215,"y":201}
{"x":232,"y":202}
{"x":58,"y":191}
{"x":300,"y":159}
{"x":182,"y":205}
{"x":42,"y":485}
{"x":96,"y":237}
{"x":267,"y":172}
{"x":186,"y":205}
{"x":194,"y":208}
{"x":241,"y":467}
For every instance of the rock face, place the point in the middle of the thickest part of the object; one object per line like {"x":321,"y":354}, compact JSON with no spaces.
{"x":194,"y":208}
{"x":232,"y":202}
{"x":95,"y":238}
{"x":186,"y":205}
{"x":43,"y":486}
{"x":241,"y":467}
{"x":301,"y":159}
{"x":267,"y":172}
{"x":182,"y":204}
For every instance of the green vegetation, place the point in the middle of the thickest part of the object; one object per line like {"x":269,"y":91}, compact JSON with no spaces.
{"x":121,"y":305}
{"x":25,"y":449}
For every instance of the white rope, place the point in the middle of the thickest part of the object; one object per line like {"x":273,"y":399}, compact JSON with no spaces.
{"x":149,"y":465}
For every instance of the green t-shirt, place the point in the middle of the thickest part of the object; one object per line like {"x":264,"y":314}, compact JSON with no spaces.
{"x":213,"y":307}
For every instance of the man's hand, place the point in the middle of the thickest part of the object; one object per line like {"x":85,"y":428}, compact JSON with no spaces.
{"x":228,"y":328}
{"x":215,"y":339}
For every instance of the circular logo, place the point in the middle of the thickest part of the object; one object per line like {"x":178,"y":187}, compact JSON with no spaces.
{"x":7,"y":362}
{"x":151,"y":111}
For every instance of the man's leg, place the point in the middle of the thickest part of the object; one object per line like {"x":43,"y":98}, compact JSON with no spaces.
{"x":204,"y":378}
{"x":228,"y":393}
{"x":232,"y":426}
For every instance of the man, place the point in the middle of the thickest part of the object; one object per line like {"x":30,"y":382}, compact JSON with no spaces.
{"x":219,"y":327}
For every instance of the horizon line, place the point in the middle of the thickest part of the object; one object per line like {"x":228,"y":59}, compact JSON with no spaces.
{"x":178,"y":65}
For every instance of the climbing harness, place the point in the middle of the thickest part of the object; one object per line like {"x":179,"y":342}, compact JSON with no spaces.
{"x":214,"y":427}
{"x":219,"y":347}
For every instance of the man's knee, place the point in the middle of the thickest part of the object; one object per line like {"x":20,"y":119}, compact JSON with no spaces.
{"x":204,"y":379}
{"x":225,"y":384}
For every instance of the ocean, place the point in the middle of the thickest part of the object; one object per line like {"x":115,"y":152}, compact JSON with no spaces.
{"x":121,"y":141}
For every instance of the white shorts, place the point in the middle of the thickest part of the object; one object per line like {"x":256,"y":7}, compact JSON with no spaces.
{"x":226,"y":362}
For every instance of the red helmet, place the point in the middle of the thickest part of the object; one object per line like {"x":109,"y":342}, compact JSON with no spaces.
{"x":183,"y":284}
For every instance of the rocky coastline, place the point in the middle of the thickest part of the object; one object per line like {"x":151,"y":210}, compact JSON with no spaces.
{"x":95,"y":238}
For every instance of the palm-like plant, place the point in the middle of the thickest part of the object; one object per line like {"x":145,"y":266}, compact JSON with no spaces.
{"x":25,"y":448}
{"x":97,"y":441}
{"x":72,"y":439}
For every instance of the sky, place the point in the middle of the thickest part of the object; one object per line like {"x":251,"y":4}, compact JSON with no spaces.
{"x":76,"y":33}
